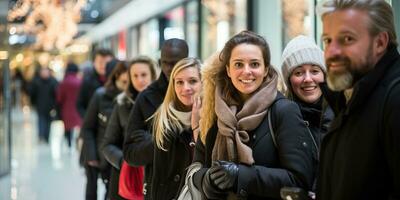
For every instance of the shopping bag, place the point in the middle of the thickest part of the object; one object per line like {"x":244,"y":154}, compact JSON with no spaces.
{"x":130,"y":184}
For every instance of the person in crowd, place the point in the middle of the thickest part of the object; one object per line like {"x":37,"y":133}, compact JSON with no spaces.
{"x":67,"y":93}
{"x":172,"y":129}
{"x":138,"y":144}
{"x":303,"y":69}
{"x":141,"y":73}
{"x":252,"y":140}
{"x":94,"y":126}
{"x":360,"y":153}
{"x":93,"y":79}
{"x":43,"y":97}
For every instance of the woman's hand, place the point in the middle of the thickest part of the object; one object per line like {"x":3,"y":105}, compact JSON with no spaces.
{"x":93,"y":163}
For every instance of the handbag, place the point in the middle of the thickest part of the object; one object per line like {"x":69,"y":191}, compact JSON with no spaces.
{"x":189,"y":191}
{"x":130,"y":185}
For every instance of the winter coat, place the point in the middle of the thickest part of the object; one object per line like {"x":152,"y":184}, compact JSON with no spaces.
{"x":138,"y":147}
{"x":288,"y":164}
{"x":316,"y":121}
{"x":91,"y":81}
{"x":360,"y":155}
{"x":95,"y":123}
{"x":114,"y":138}
{"x":43,"y":94}
{"x":169,"y":167}
{"x":67,"y":93}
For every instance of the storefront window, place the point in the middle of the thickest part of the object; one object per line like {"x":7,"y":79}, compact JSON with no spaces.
{"x":121,"y":49}
{"x":132,"y":44}
{"x":149,"y":38}
{"x":4,"y":117}
{"x":173,"y":24}
{"x":220,"y":21}
{"x":298,"y":19}
{"x":192,"y":28}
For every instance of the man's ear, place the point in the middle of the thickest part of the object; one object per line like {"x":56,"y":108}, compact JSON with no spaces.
{"x":381,"y":42}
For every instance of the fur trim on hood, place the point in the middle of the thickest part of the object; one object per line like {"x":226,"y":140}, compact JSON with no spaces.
{"x":212,"y":66}
{"x":124,"y":99}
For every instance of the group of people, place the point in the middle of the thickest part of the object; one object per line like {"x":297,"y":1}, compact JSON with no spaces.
{"x":55,"y":101}
{"x":222,"y":129}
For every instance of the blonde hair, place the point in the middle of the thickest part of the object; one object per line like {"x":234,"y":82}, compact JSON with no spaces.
{"x":164,"y":121}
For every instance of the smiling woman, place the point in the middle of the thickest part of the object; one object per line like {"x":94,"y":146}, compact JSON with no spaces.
{"x":173,"y":129}
{"x":303,"y":69}
{"x":236,"y":150}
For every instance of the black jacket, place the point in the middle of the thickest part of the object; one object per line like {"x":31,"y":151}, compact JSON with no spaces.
{"x":95,"y":123}
{"x":317,"y":117}
{"x":360,"y":155}
{"x":114,"y":139}
{"x":138,"y":147}
{"x":91,"y":81}
{"x":169,"y":167}
{"x":43,"y":94}
{"x":290,"y":164}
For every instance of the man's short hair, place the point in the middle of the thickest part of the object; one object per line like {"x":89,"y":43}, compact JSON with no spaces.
{"x":176,"y":43}
{"x":379,"y":12}
{"x":103,"y":53}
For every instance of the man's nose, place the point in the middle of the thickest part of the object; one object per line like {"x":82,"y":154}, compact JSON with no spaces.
{"x":332,"y":50}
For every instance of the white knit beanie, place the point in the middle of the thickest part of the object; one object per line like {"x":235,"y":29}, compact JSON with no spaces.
{"x":299,"y":51}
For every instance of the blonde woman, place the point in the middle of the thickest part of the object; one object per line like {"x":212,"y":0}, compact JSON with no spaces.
{"x":172,"y":129}
{"x":242,"y":156}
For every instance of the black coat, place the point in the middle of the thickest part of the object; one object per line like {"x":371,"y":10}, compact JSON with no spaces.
{"x":317,"y":117}
{"x":91,"y":81}
{"x":114,"y":139}
{"x":291,"y":164}
{"x":169,"y":167}
{"x":360,"y":155}
{"x":138,"y":147}
{"x":43,"y":94}
{"x":95,"y":123}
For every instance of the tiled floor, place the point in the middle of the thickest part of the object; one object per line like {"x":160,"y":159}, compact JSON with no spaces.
{"x":42,"y":171}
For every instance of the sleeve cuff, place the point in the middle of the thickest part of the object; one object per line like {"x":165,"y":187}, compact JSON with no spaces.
{"x":243,"y":182}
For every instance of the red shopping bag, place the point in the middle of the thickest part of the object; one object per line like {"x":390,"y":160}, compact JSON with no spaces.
{"x":130,"y":184}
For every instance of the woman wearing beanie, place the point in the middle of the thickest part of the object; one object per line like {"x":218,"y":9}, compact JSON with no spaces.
{"x":242,"y":155}
{"x":303,"y":69}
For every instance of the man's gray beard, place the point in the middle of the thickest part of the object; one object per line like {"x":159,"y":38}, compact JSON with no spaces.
{"x":340,"y":82}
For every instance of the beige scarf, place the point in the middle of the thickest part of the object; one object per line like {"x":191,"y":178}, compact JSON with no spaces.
{"x":183,"y":117}
{"x":234,"y":125}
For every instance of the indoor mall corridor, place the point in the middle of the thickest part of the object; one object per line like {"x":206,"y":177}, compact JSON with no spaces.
{"x":42,"y":171}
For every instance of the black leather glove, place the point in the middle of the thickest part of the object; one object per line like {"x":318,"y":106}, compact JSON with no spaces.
{"x":210,"y":190}
{"x":224,"y":175}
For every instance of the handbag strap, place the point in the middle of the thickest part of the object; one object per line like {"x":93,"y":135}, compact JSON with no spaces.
{"x":271,"y":128}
